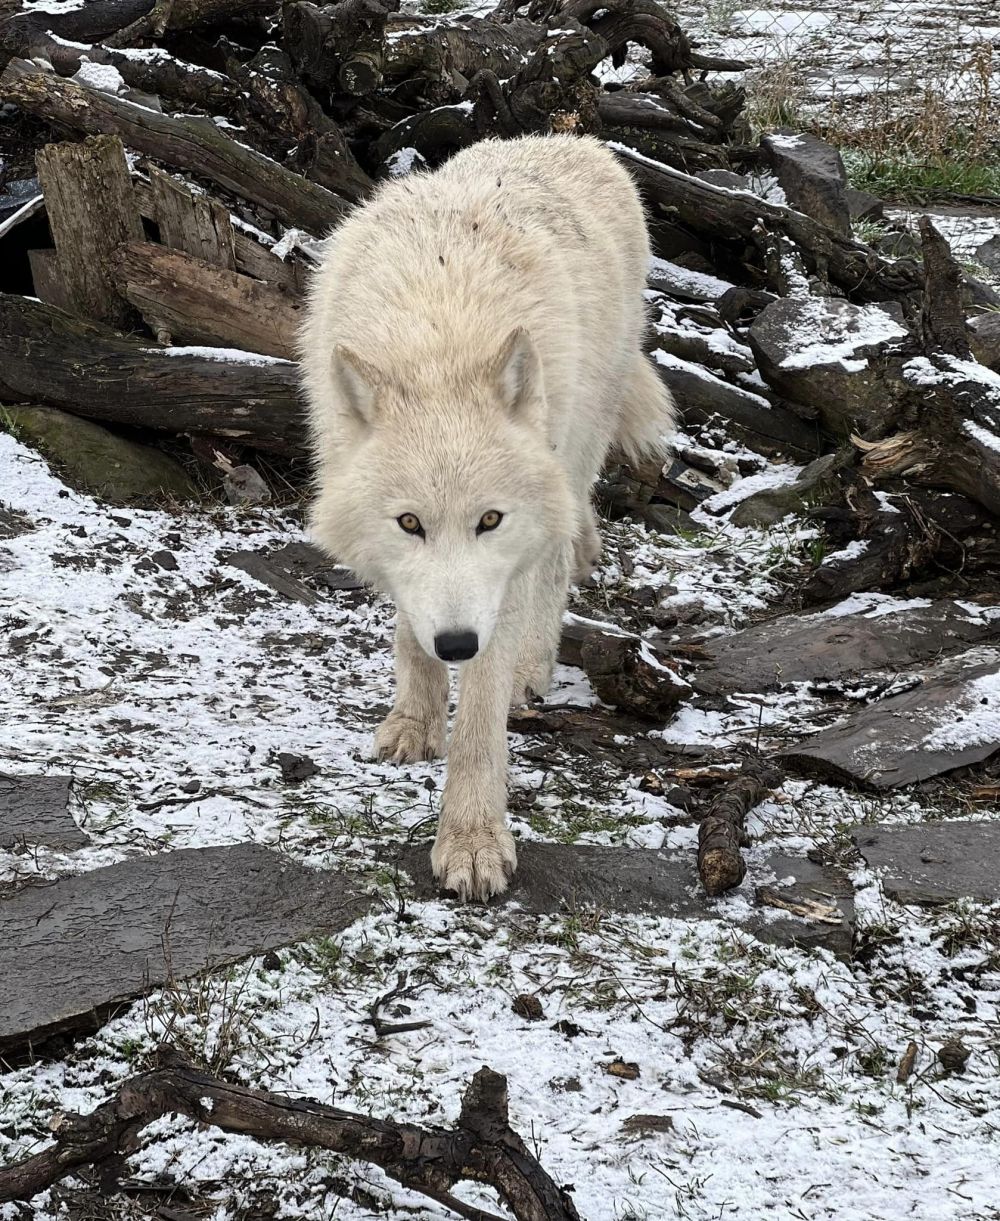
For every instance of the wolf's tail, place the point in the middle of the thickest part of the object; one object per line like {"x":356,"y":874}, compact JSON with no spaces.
{"x":648,"y":415}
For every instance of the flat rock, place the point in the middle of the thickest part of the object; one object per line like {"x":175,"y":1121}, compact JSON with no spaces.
{"x":862,"y":205}
{"x":293,"y":571}
{"x":71,"y":952}
{"x":824,"y":647}
{"x":985,"y":339}
{"x":819,"y":350}
{"x":35,"y":810}
{"x":812,"y":175}
{"x":770,"y":505}
{"x":989,"y":254}
{"x":933,"y":863}
{"x":952,"y":719}
{"x":99,"y":461}
{"x":554,"y":878}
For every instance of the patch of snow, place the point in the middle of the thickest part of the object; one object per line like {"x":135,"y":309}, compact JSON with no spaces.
{"x":404,"y":160}
{"x":104,"y":77}
{"x":229,"y":355}
{"x":840,"y":336}
{"x":854,"y":549}
{"x":972,"y":719}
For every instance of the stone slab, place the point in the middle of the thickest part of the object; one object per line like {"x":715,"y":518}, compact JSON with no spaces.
{"x":935,"y":863}
{"x":35,"y":810}
{"x":554,"y":878}
{"x":73,"y":951}
{"x":951,"y":720}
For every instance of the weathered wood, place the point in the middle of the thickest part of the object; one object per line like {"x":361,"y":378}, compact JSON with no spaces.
{"x":948,"y":721}
{"x":47,"y":356}
{"x":91,"y":211}
{"x":733,"y":215}
{"x":71,"y":951}
{"x":195,"y":302}
{"x":942,"y":316}
{"x":624,"y":670}
{"x":195,"y":224}
{"x":482,"y":1147}
{"x":189,"y":143}
{"x":722,"y":830}
{"x":47,"y":279}
{"x":252,"y":257}
{"x":339,"y":46}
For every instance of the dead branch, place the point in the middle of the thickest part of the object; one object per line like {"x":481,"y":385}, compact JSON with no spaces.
{"x":482,"y":1147}
{"x":190,"y":143}
{"x":722,"y":831}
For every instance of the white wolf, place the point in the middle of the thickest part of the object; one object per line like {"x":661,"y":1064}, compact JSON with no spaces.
{"x":471,"y":352}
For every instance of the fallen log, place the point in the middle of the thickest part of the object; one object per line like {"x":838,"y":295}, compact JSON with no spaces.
{"x":191,"y":143}
{"x":482,"y":1147}
{"x":722,"y":831}
{"x":194,"y":302}
{"x":732,"y":216}
{"x":50,"y":357}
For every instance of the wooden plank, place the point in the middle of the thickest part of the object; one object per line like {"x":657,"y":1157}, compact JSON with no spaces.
{"x":198,"y":303}
{"x":47,"y":279}
{"x":73,"y":951}
{"x":91,"y":211}
{"x":196,"y":224}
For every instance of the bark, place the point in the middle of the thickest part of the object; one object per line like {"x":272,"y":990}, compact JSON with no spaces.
{"x":49,"y":357}
{"x":624,"y":670}
{"x":731,"y":216}
{"x":722,"y":831}
{"x":942,"y":316}
{"x":481,"y":1147}
{"x":91,"y":211}
{"x":194,"y":302}
{"x":189,"y":143}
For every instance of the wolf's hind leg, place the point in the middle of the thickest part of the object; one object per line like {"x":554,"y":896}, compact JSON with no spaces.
{"x":541,"y":624}
{"x":586,"y":547}
{"x":416,"y":727}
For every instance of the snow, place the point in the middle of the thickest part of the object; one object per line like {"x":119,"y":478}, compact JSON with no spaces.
{"x":874,"y":605}
{"x":973,"y":719}
{"x":697,"y":282}
{"x":854,"y":550}
{"x":841,"y":335}
{"x":669,"y":361}
{"x":104,"y":77}
{"x":776,"y":475}
{"x":139,"y":681}
{"x":230,"y":355}
{"x":403,"y":161}
{"x":984,"y":436}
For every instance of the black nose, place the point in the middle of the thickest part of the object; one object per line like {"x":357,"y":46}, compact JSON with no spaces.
{"x":456,"y":646}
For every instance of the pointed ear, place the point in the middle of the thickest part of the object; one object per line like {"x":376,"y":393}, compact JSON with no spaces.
{"x":356,"y":382}
{"x":518,"y":374}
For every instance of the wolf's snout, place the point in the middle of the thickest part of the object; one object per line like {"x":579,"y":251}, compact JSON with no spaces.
{"x":456,"y":646}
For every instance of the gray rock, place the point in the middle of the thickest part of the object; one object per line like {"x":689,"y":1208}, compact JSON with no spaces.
{"x":570,"y":877}
{"x":898,"y":244}
{"x":942,"y":724}
{"x":818,"y":351}
{"x":97,"y":461}
{"x":72,"y":952}
{"x":862,"y":205}
{"x":977,"y":294}
{"x":833,"y":648}
{"x":934,"y":863}
{"x":985,"y":339}
{"x":812,"y":175}
{"x":725,"y":178}
{"x":245,"y":486}
{"x":772,"y":504}
{"x":35,"y":810}
{"x":989,"y":254}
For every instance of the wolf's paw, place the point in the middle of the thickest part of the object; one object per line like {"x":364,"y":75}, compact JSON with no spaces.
{"x":476,"y":863}
{"x":407,"y":739}
{"x":531,"y":680}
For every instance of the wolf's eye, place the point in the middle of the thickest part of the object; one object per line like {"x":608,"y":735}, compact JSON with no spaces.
{"x":410,"y":522}
{"x":489,"y":521}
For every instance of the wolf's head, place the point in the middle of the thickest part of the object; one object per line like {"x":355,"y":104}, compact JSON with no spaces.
{"x":447,"y":488}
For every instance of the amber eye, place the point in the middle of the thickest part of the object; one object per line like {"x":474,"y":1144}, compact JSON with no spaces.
{"x":489,"y":521}
{"x":410,"y":522}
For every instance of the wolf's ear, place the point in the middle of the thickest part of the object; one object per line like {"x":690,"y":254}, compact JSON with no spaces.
{"x":518,"y":373}
{"x":356,"y":382}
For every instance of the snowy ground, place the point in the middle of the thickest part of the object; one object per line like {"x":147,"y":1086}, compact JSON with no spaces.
{"x":775,"y":1069}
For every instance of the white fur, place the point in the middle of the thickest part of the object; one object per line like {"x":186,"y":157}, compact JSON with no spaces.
{"x":472,"y":343}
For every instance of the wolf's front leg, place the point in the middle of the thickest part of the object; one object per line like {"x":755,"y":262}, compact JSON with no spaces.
{"x":416,"y":727}
{"x":474,"y":852}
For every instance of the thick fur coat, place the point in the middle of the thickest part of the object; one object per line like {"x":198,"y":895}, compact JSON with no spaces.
{"x":471,"y":352}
